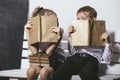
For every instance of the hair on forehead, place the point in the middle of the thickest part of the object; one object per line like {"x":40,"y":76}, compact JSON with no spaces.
{"x":41,"y":11}
{"x":91,"y":11}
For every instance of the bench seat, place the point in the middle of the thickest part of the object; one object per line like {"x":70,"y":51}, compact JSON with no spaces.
{"x":20,"y":74}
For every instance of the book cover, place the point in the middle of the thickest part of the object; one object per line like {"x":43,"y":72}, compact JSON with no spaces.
{"x":98,"y":28}
{"x":81,"y":36}
{"x":87,"y":33}
{"x":41,"y":30}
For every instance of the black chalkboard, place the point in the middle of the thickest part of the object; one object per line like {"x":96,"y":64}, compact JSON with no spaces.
{"x":13,"y":16}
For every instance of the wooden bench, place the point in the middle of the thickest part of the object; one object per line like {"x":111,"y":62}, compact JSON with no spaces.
{"x":20,"y":74}
{"x":107,"y":72}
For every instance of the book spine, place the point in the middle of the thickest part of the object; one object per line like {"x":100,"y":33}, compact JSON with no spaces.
{"x":39,"y":61}
{"x":39,"y":28}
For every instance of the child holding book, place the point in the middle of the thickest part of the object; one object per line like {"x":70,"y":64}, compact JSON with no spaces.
{"x":53,"y":50}
{"x":84,"y":61}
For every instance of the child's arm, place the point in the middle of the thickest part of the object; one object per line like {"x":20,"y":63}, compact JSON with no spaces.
{"x":28,"y":26}
{"x":53,"y":46}
{"x":107,"y":51}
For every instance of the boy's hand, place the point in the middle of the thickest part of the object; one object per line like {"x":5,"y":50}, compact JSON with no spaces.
{"x":71,"y":29}
{"x":105,"y":37}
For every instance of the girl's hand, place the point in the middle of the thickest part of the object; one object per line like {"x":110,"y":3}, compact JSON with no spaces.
{"x":58,"y":31}
{"x":55,"y":30}
{"x":28,"y":25}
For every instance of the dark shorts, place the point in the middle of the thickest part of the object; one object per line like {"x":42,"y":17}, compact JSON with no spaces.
{"x":54,"y":63}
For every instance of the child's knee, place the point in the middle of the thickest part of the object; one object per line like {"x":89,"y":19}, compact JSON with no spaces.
{"x":31,"y":70}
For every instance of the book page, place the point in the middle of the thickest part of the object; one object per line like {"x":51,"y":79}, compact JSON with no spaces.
{"x":41,"y":30}
{"x":46,"y":23}
{"x":97,"y":30}
{"x":81,"y":36}
{"x":34,"y":32}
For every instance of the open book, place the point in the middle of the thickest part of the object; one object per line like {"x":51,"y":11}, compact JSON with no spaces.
{"x":41,"y":30}
{"x":87,"y":33}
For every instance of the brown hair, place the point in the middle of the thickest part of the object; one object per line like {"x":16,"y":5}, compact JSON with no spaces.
{"x":41,"y":11}
{"x":91,"y":11}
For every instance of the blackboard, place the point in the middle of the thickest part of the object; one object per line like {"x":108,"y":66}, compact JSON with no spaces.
{"x":13,"y":16}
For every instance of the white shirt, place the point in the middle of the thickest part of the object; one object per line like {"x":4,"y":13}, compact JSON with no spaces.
{"x":99,"y":53}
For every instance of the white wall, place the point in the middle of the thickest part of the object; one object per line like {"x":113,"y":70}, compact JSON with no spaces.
{"x":108,"y":10}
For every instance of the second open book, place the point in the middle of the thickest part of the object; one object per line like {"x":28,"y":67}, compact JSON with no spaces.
{"x":87,"y":33}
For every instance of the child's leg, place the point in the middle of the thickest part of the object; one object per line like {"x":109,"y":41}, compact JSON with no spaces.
{"x":65,"y":71}
{"x":33,"y":72}
{"x":89,"y":71}
{"x":45,"y":73}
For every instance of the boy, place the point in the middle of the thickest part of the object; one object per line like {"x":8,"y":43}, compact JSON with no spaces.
{"x":84,"y":61}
